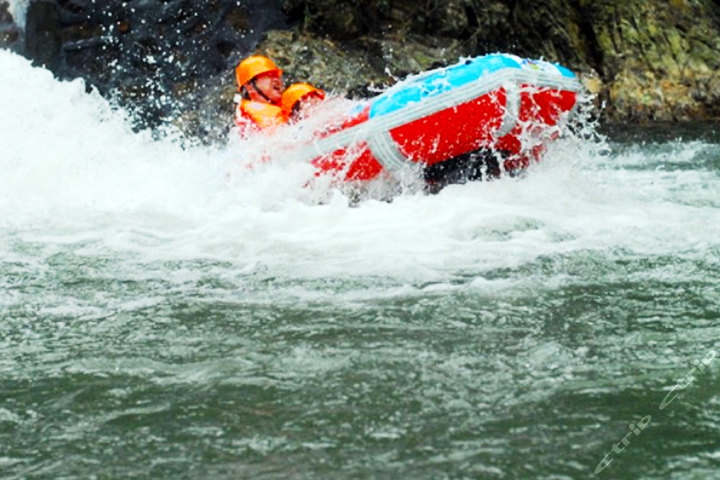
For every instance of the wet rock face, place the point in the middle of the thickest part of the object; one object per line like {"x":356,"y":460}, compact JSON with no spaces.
{"x":660,"y":59}
{"x":148,"y":53}
{"x":483,"y":26}
{"x":174,"y":59}
{"x":393,"y":39}
{"x":9,"y":32}
{"x":357,"y":69}
{"x":43,"y":42}
{"x":648,"y":60}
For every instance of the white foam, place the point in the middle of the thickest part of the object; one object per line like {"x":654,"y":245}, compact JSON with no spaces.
{"x":73,"y":171}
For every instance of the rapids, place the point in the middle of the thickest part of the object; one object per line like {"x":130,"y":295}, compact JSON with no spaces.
{"x":166,"y":312}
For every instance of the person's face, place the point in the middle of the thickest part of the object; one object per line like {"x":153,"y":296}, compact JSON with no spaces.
{"x":270,"y":84}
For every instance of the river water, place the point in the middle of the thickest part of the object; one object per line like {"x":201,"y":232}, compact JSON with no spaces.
{"x":164,"y":314}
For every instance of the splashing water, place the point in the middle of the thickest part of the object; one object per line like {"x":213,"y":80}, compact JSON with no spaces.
{"x":75,"y":165}
{"x":167,"y":310}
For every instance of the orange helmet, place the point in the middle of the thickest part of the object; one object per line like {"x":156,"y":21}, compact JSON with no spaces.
{"x":296,"y":92}
{"x":253,"y":66}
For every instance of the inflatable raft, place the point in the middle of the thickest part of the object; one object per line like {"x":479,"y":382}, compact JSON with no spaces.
{"x":500,"y":107}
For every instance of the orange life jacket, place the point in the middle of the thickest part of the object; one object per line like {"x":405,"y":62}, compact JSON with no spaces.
{"x":261,"y":115}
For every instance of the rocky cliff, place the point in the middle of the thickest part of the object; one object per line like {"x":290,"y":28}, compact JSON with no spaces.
{"x":647,"y":60}
{"x":173,"y":59}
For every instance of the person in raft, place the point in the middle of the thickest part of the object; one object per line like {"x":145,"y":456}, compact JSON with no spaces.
{"x":299,"y":99}
{"x":258,"y":101}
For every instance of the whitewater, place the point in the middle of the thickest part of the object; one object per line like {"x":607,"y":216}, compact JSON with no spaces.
{"x":74,"y":169}
{"x":167,"y":311}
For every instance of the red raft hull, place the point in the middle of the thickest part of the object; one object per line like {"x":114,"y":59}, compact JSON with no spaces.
{"x":513,"y":111}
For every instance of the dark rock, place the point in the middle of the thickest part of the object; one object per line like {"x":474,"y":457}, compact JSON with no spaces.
{"x":138,"y":51}
{"x":9,"y":32}
{"x":5,"y":16}
{"x":649,"y":60}
{"x":8,"y":37}
{"x":172,"y":60}
{"x":450,"y":18}
{"x":355,"y":68}
{"x":42,"y":33}
{"x":660,"y":59}
{"x":239,"y":19}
